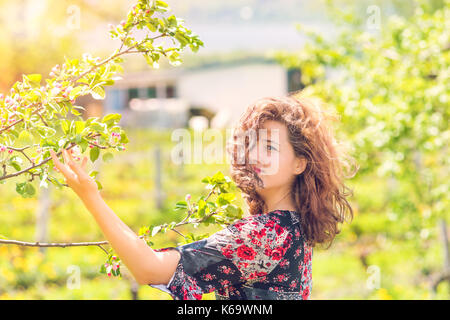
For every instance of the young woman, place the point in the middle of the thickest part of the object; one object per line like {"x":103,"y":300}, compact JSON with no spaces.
{"x":291,"y":174}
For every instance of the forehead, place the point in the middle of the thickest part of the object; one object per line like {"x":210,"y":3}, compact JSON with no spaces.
{"x":276,"y":131}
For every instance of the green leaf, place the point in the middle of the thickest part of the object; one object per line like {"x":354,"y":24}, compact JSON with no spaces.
{"x":93,"y":174}
{"x":15,"y":162}
{"x":76,"y":92}
{"x":94,"y":153}
{"x":123,"y":137}
{"x":79,"y":126}
{"x":111,"y":119}
{"x":181,"y":205}
{"x":201,"y":208}
{"x":65,"y":126}
{"x":83,"y":144}
{"x":99,"y":127}
{"x":25,"y":138}
{"x":107,"y":157}
{"x":25,"y":189}
{"x":155,"y":230}
{"x":99,"y":185}
{"x":98,"y":93}
{"x":35,"y":79}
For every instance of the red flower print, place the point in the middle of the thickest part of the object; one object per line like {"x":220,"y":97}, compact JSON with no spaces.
{"x":239,"y":241}
{"x":251,"y":276}
{"x":208,"y":277}
{"x":283,"y":263}
{"x":305,"y":294}
{"x":270,"y":224}
{"x":226,"y":270}
{"x":261,"y":273}
{"x":227,"y":251}
{"x":224,"y":283}
{"x":287,"y":242}
{"x":277,"y":253}
{"x":239,"y":225}
{"x":256,"y":242}
{"x":197,"y":296}
{"x":293,"y":284}
{"x":280,"y":278}
{"x":278,"y":229}
{"x":245,"y":252}
{"x":268,"y":251}
{"x":258,"y":234}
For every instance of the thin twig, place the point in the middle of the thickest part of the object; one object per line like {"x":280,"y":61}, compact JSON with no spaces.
{"x":33,"y":166}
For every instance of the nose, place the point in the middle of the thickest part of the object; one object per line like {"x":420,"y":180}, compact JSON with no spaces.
{"x":258,"y":157}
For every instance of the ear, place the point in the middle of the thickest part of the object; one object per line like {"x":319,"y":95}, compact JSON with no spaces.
{"x":300,"y":165}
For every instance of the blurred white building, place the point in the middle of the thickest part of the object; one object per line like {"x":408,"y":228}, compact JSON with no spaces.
{"x":220,"y":92}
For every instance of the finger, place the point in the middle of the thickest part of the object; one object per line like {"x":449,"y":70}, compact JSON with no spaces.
{"x":54,"y":159}
{"x":62,"y":168}
{"x":65,"y":156}
{"x":76,"y":168}
{"x":84,"y":162}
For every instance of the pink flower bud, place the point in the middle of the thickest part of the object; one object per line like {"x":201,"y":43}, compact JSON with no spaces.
{"x":106,"y":265}
{"x":10,"y":151}
{"x":109,"y":274}
{"x":188,"y":197}
{"x":147,"y":11}
{"x":52,"y":74}
{"x":114,"y":257}
{"x":122,"y":23}
{"x":115,"y":267}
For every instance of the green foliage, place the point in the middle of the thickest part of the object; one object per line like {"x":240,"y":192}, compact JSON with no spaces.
{"x":36,"y":117}
{"x":219,"y":211}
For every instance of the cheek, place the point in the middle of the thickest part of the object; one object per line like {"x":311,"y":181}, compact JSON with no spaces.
{"x":278,"y":172}
{"x":278,"y":164}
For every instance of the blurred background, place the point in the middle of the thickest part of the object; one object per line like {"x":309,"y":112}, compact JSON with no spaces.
{"x":383,"y":66}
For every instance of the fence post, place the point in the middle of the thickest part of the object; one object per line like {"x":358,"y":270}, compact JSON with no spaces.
{"x":42,"y":217}
{"x":158,"y":179}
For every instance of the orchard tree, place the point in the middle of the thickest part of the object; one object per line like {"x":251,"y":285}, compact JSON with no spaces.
{"x":38,"y":115}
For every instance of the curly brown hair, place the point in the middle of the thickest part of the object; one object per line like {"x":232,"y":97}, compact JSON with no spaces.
{"x":319,"y":192}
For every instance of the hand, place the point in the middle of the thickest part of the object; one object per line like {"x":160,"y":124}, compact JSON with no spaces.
{"x":75,"y":175}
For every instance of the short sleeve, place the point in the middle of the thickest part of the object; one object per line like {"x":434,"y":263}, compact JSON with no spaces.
{"x":246,"y":251}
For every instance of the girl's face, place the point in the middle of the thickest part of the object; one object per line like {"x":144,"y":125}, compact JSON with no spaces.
{"x":273,"y":159}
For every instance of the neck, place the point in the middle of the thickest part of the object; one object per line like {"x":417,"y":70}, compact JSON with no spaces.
{"x":279,"y":199}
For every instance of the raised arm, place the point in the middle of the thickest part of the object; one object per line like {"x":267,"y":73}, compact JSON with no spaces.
{"x":146,"y":265}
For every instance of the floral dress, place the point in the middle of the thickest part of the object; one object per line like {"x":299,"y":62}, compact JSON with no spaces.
{"x":260,"y":257}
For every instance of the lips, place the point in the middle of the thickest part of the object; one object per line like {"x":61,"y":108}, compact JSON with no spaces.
{"x":257,"y":170}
